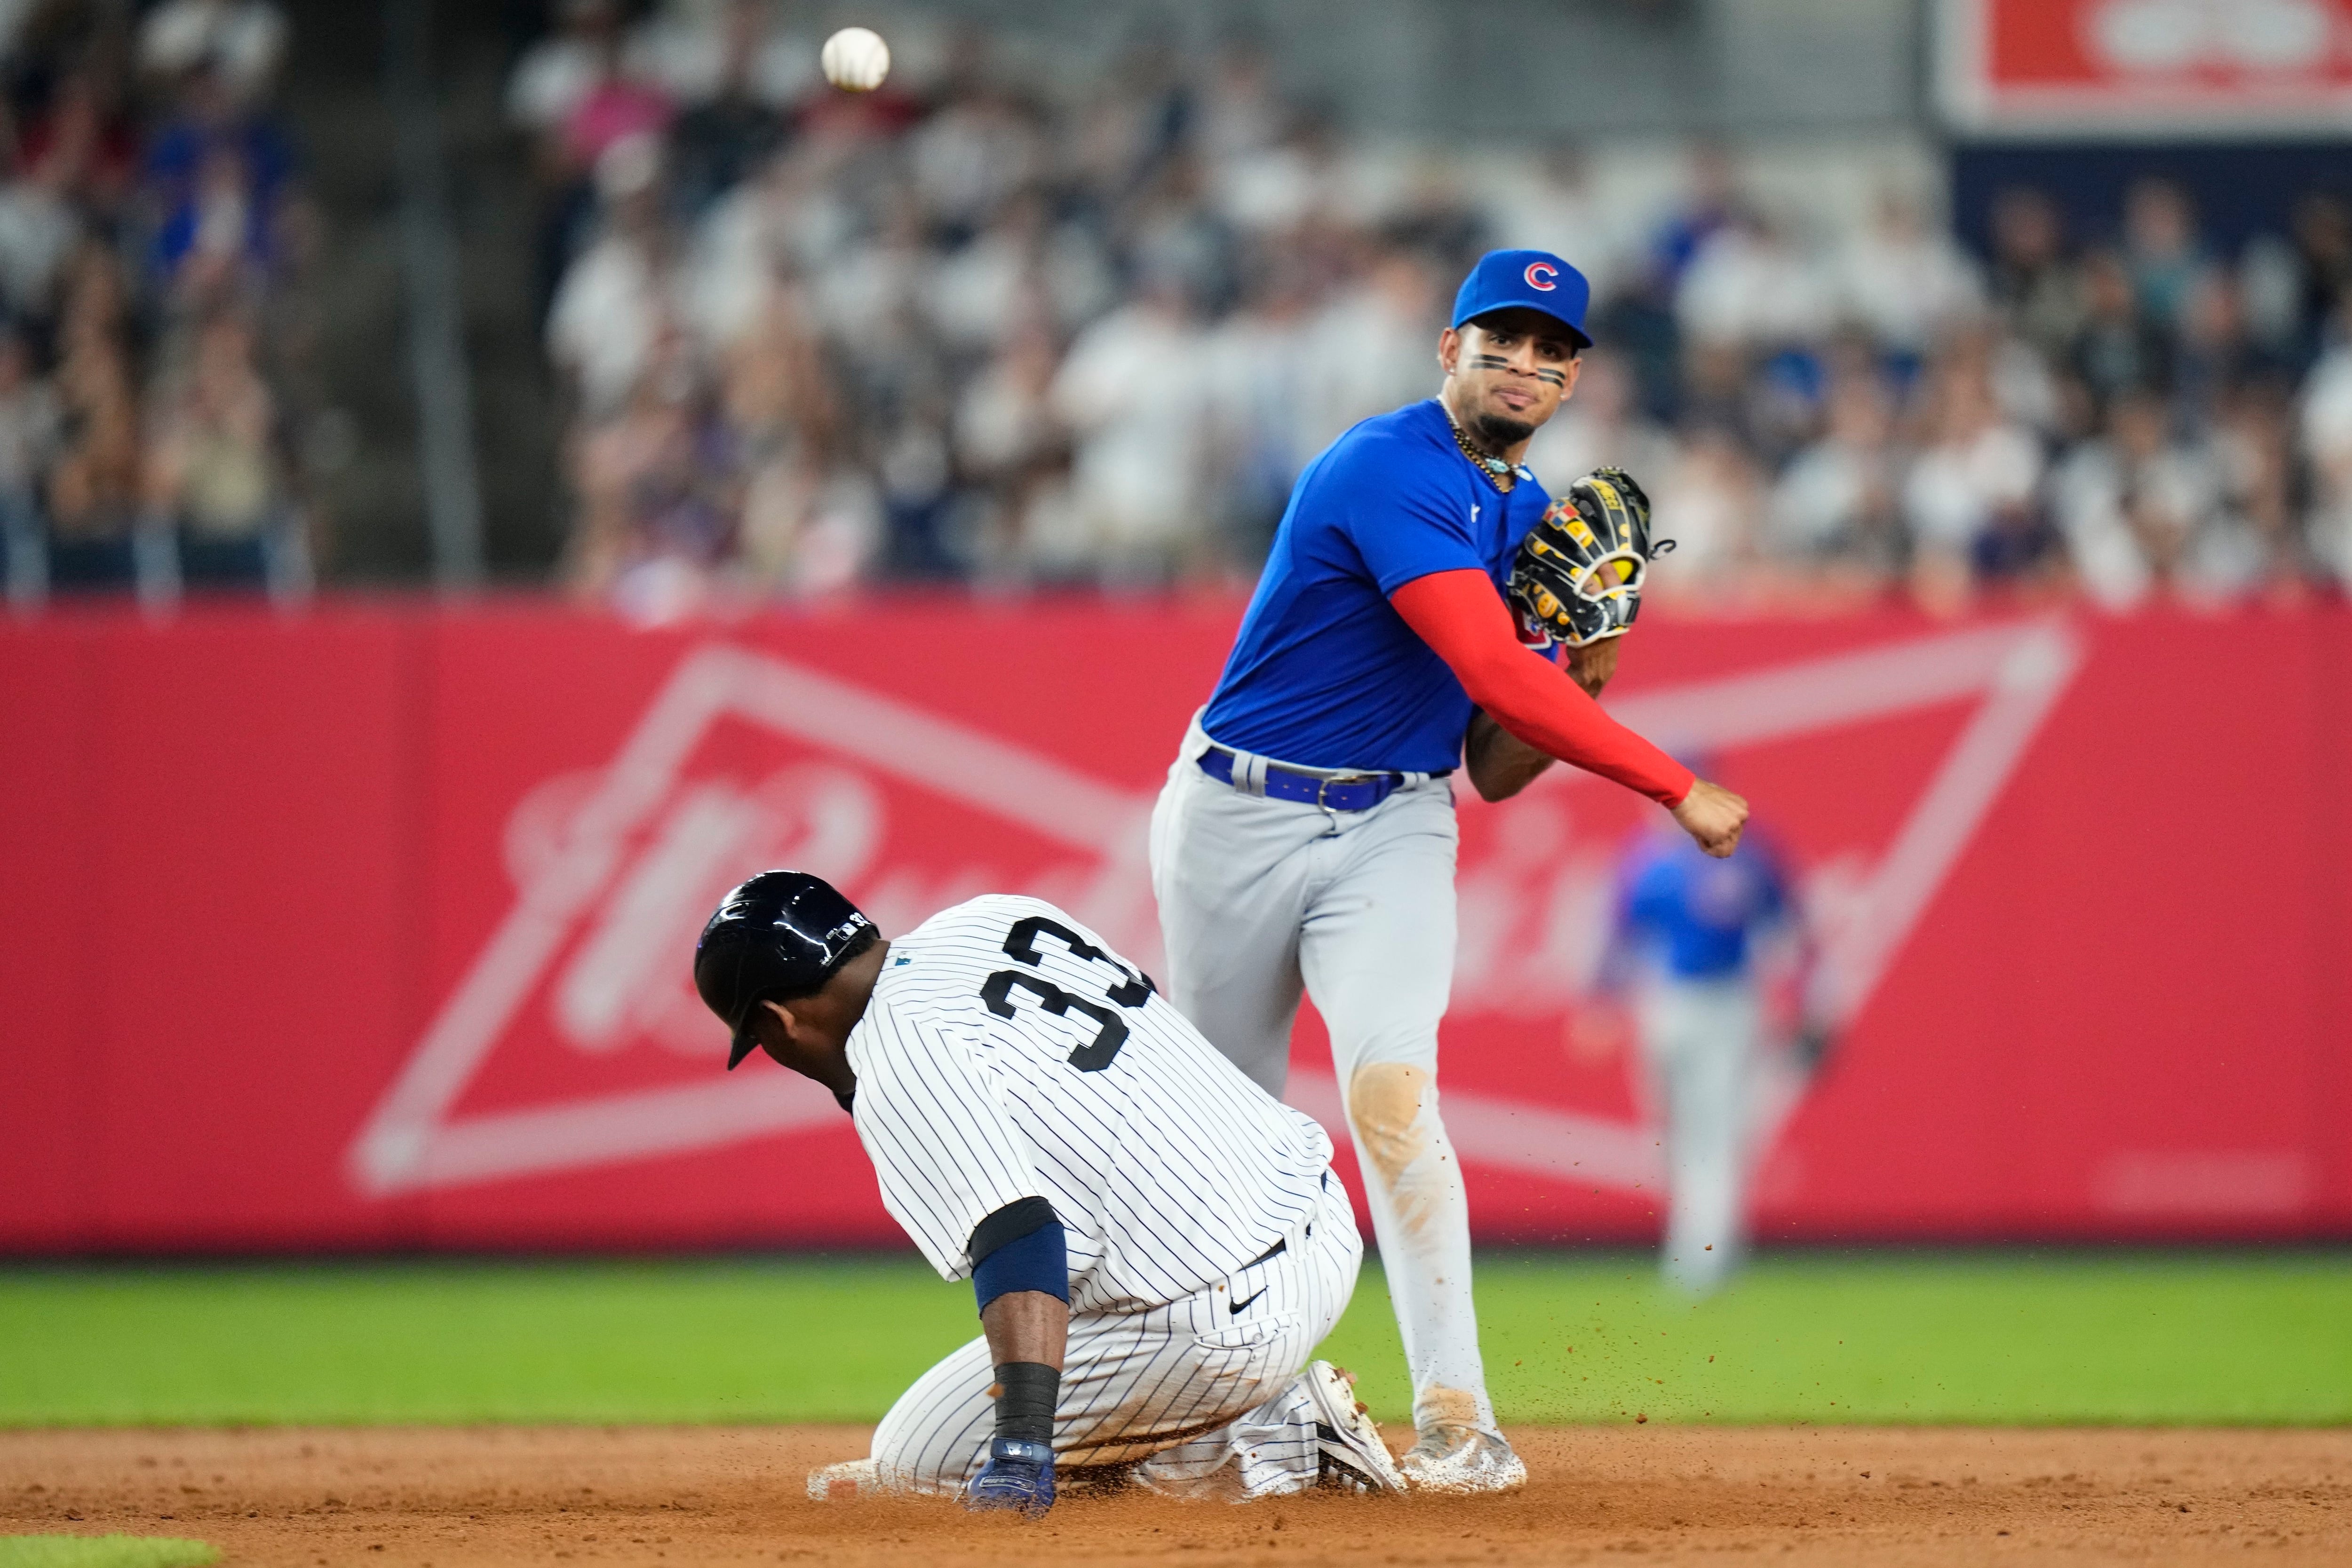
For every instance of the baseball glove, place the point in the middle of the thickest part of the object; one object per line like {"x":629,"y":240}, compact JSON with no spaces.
{"x":1578,"y":574}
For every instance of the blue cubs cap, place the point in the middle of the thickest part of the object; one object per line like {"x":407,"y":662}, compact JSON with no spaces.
{"x":1536,"y":279}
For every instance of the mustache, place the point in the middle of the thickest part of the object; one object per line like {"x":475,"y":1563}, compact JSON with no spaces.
{"x":1496,"y":362}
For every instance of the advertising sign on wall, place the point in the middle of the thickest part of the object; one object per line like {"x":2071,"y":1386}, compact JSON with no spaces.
{"x":370,"y":929}
{"x":2170,"y":69}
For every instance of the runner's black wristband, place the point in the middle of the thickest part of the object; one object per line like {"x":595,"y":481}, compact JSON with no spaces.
{"x":1026,"y":1393}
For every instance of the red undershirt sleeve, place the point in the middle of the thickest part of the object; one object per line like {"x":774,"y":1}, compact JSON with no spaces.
{"x":1464,"y":619}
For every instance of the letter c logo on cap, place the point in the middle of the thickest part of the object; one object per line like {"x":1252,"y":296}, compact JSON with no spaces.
{"x":1547,"y":273}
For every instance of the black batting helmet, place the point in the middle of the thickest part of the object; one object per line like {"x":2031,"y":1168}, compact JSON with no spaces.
{"x":778,"y":936}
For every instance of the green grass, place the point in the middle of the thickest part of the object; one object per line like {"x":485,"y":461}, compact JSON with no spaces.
{"x":1914,"y":1338}
{"x":458,"y":1342}
{"x":2006,"y":1339}
{"x":103,"y":1551}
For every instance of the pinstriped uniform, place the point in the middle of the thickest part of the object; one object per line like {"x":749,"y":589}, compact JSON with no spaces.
{"x":1008,"y":1053}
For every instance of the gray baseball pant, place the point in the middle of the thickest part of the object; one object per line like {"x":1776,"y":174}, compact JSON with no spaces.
{"x":1263,"y":900}
{"x":1700,"y":1040}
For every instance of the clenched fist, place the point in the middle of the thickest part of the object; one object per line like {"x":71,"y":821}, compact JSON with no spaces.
{"x":1713,"y":816}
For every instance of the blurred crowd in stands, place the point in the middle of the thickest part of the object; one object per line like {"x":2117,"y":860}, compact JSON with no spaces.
{"x":151,"y":336}
{"x":1008,"y":325}
{"x":970,"y":327}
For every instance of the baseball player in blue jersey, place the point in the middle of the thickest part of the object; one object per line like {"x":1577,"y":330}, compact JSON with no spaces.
{"x":1306,"y":837}
{"x":1690,"y":939}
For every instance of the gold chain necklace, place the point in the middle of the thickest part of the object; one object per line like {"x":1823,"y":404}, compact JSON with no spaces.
{"x":1498,"y":471}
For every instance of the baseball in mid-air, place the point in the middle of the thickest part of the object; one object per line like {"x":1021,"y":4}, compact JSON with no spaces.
{"x":856,"y":58}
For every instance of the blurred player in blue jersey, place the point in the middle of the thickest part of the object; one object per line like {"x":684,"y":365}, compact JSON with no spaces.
{"x":1706,"y":947}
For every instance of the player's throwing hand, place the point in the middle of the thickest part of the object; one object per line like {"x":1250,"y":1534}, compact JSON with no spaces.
{"x":1591,"y":665}
{"x":1019,"y":1475}
{"x":1713,"y":816}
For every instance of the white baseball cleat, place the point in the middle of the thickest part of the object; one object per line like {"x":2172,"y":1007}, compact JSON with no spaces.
{"x":849,"y":1479}
{"x":1462,"y":1459}
{"x":1353,"y":1457}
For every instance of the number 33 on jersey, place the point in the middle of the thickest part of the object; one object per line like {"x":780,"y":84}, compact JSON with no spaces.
{"x":1009,"y":1053}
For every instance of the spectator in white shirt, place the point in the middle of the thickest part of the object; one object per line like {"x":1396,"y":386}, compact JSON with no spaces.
{"x":2133,"y":504}
{"x":1369,"y":349}
{"x":39,"y":230}
{"x":1907,"y":285}
{"x":1707,"y":503}
{"x":2326,"y":427}
{"x":244,"y":39}
{"x":1839,"y":500}
{"x":1557,"y":211}
{"x":622,"y":292}
{"x":1977,"y":480}
{"x":1133,"y":393}
{"x":1748,"y":287}
{"x":978,"y":292}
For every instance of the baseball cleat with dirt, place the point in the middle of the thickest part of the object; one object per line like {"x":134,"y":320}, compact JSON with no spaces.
{"x":1461,"y":1460}
{"x":1354,"y":1457}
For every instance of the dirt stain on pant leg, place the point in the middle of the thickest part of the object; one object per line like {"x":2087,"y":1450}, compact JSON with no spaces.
{"x":1386,"y":1103}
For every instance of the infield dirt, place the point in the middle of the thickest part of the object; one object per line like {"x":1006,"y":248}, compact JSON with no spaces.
{"x":456,"y":1498}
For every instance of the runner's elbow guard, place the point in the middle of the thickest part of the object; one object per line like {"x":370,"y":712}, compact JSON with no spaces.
{"x":1021,"y":1247}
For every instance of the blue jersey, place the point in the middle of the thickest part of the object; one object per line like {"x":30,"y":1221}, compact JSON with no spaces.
{"x":1324,"y":673}
{"x":1694,"y":916}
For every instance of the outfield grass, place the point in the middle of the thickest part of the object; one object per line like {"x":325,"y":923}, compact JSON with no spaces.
{"x":1913,"y":1338}
{"x":2101,"y":1339}
{"x":103,"y":1551}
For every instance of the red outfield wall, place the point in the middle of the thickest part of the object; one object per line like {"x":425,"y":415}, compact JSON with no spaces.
{"x":368,"y":927}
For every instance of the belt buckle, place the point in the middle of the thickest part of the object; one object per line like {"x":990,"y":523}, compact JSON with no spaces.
{"x":1322,"y":786}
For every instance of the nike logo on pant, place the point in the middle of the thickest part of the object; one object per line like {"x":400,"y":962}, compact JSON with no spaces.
{"x":1241,"y":1307}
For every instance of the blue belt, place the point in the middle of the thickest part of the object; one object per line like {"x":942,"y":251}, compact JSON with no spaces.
{"x":1360,"y":793}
